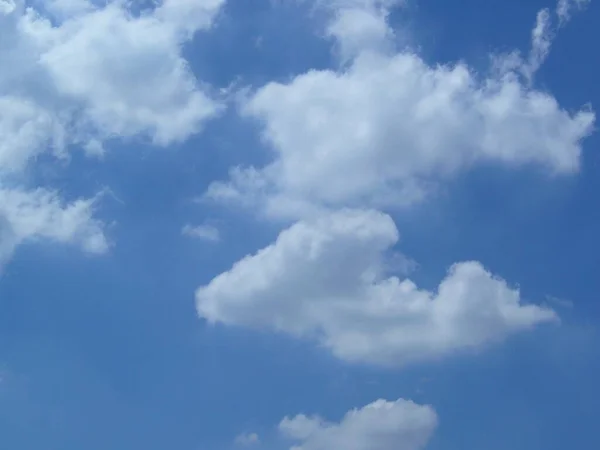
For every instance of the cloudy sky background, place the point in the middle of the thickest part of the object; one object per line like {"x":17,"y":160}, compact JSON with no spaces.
{"x":345,"y":224}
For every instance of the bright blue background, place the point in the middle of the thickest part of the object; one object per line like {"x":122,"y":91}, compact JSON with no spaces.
{"x":107,"y":353}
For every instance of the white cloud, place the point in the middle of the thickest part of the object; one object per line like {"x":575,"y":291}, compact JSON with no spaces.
{"x":325,"y":280}
{"x":384,"y":130}
{"x":543,"y":34}
{"x":382,"y":425}
{"x":359,"y":25}
{"x":77,"y":72}
{"x":189,"y":16}
{"x":541,"y":40}
{"x":247,"y":439}
{"x":565,"y":8}
{"x":560,"y":302}
{"x":63,"y":9}
{"x":204,"y":232}
{"x":98,"y":72}
{"x":26,"y":129}
{"x":27,"y":216}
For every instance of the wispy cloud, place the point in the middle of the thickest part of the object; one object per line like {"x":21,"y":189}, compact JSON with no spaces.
{"x":205,"y":232}
{"x":247,"y":439}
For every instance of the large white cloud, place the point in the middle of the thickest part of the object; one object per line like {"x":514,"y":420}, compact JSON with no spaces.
{"x":26,"y":216}
{"x":325,"y":280}
{"x":78,"y":72}
{"x":385,"y":128}
{"x":75,"y":72}
{"x":382,"y":425}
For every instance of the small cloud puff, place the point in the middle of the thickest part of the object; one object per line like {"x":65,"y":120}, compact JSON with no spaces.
{"x":205,"y":232}
{"x":247,"y":439}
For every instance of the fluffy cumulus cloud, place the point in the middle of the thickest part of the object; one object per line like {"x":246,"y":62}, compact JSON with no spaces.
{"x":387,"y":126}
{"x":357,"y":25}
{"x":325,"y":280}
{"x":78,"y":72}
{"x":26,"y":216}
{"x":382,"y":425}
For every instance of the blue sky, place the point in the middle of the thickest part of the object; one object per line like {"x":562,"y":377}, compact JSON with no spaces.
{"x":374,"y":143}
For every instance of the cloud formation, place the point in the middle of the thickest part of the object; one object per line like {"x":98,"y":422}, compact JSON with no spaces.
{"x":382,"y":425}
{"x":76,"y":73}
{"x":325,"y":280}
{"x":564,"y":9}
{"x":247,"y":440}
{"x":205,"y":232}
{"x":386,"y":128}
{"x":27,"y":216}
